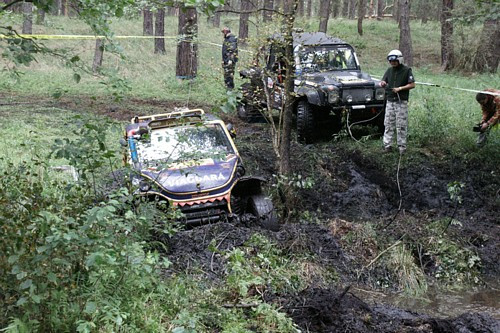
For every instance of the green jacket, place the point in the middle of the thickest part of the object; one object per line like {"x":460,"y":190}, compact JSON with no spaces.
{"x":397,"y":77}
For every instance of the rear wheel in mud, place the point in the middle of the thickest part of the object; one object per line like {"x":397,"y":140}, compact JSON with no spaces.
{"x":262,"y":207}
{"x":305,"y":122}
{"x":248,"y":112}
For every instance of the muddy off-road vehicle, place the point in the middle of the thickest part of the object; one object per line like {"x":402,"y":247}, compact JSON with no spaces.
{"x":189,"y":159}
{"x":328,"y":81}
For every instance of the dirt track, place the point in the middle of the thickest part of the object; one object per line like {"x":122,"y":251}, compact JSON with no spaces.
{"x":352,"y":188}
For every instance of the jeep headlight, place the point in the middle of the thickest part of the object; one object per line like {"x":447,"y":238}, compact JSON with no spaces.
{"x":333,"y":96}
{"x":380,"y":94}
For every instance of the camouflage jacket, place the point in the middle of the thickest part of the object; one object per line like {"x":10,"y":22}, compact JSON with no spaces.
{"x":491,"y":111}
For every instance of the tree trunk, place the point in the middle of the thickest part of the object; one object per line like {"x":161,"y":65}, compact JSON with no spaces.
{"x":28,"y":18}
{"x":380,"y":9}
{"x":361,"y":16}
{"x":345,"y":8}
{"x":446,"y":35}
{"x":309,"y":8}
{"x":187,"y":50}
{"x":286,"y":132}
{"x":216,"y":19}
{"x":64,"y":7}
{"x":335,"y":4}
{"x":54,"y":10}
{"x":324,"y":13}
{"x":300,"y":9}
{"x":172,"y":10}
{"x":243,"y":32}
{"x":371,"y":12}
{"x":405,"y":45}
{"x":352,"y":9}
{"x":160,"y":31}
{"x":396,"y":11}
{"x":147,"y":23}
{"x":267,"y":15}
{"x":424,"y":11}
{"x":40,"y":16}
{"x":98,"y":55}
{"x":488,"y":52}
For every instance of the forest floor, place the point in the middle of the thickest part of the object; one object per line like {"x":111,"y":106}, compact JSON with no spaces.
{"x":351,"y":189}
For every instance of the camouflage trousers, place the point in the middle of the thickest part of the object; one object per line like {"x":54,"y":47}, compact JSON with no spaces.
{"x":396,"y":119}
{"x":229,"y":76}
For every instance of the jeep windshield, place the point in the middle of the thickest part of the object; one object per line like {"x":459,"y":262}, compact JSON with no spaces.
{"x":325,"y":58}
{"x":166,"y":147}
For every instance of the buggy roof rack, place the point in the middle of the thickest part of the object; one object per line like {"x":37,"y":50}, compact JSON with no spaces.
{"x":177,"y":114}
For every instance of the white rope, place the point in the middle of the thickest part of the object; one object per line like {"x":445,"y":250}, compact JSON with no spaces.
{"x":455,"y":88}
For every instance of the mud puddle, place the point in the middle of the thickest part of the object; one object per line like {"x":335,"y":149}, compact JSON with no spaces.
{"x":442,"y":304}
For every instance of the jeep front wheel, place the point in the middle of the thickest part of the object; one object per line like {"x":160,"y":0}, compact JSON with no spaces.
{"x":262,"y":208}
{"x":305,"y":122}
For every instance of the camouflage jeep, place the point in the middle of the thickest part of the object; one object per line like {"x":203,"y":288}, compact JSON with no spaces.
{"x":328,"y":82}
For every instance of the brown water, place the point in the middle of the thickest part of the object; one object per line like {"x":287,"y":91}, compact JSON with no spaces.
{"x":443,"y":303}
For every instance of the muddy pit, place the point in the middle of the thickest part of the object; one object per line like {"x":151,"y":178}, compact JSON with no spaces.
{"x":353,"y":188}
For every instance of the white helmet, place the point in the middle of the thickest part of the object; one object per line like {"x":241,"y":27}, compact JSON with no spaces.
{"x":395,"y":55}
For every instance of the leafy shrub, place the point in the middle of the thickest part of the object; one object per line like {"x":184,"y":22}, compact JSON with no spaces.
{"x":76,"y":267}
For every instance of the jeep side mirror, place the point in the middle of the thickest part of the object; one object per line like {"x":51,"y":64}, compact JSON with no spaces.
{"x":123,"y":142}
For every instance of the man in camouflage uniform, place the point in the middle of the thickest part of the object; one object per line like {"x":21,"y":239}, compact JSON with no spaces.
{"x":398,"y":80}
{"x":490,"y":105}
{"x":229,"y":57}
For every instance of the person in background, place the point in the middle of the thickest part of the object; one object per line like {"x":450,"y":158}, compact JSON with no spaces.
{"x":398,"y":80}
{"x":490,"y":105}
{"x":229,"y":57}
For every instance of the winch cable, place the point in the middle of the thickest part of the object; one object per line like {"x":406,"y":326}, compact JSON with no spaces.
{"x":358,"y":122}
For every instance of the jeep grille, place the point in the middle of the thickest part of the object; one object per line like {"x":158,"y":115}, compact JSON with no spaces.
{"x":358,"y":95}
{"x":204,"y":213}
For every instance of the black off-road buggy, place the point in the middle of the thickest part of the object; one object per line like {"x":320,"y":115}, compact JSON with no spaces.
{"x":327,"y":82}
{"x":189,"y":159}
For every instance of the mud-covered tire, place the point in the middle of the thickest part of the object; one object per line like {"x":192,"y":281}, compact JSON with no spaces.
{"x":248,"y":113}
{"x":242,"y":111}
{"x":262,"y":207}
{"x":305,"y":122}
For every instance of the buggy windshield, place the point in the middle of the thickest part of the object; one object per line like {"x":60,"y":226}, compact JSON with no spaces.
{"x":182,"y":144}
{"x":325,"y":58}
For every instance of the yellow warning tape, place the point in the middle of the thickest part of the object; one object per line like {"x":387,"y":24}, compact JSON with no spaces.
{"x":34,"y":36}
{"x":90,"y":37}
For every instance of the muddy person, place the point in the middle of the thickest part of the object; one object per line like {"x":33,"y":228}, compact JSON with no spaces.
{"x":490,"y":105}
{"x":229,"y":57}
{"x":398,"y":80}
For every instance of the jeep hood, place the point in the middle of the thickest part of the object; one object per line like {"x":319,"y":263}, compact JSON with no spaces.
{"x":351,"y":77}
{"x":196,"y":176}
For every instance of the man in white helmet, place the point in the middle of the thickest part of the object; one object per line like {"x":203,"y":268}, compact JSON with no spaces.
{"x":398,"y":80}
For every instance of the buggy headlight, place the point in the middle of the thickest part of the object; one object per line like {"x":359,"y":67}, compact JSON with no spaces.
{"x":380,"y":94}
{"x":144,"y":186}
{"x":333,"y":96}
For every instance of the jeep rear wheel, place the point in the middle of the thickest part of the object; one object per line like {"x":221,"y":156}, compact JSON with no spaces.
{"x":262,"y":208}
{"x":305,"y":122}
{"x":248,"y":112}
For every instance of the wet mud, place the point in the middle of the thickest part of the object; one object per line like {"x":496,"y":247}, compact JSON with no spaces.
{"x":349,"y":186}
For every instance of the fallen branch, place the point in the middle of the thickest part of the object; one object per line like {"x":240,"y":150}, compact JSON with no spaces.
{"x":381,"y":253}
